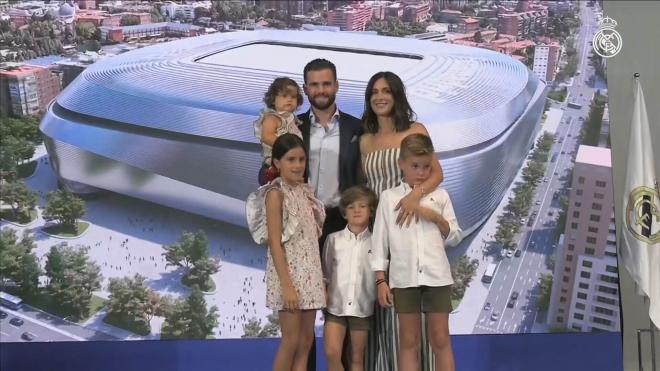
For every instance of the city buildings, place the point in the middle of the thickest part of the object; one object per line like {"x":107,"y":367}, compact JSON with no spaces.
{"x":351,"y":17}
{"x":546,"y":60}
{"x":197,"y":99}
{"x":151,"y":30}
{"x":416,"y":12}
{"x":524,"y":24}
{"x":27,"y":90}
{"x":585,"y":293}
{"x":467,"y":25}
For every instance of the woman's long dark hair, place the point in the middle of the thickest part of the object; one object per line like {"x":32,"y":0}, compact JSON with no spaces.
{"x":402,"y":112}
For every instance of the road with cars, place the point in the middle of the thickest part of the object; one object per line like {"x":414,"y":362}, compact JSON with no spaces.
{"x":512,"y":302}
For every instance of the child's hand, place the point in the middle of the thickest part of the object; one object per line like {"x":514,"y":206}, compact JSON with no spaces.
{"x":290,"y":298}
{"x":385,"y":298}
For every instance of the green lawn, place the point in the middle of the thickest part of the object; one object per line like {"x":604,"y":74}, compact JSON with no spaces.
{"x":42,"y":300}
{"x":21,"y":218}
{"x":67,"y":231}
{"x":26,"y":169}
{"x":209,"y":287}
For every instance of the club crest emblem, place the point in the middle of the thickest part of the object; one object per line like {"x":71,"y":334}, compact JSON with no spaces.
{"x":607,"y":42}
{"x":643,"y":214}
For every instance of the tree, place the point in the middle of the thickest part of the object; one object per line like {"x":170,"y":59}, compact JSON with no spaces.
{"x":131,"y":303}
{"x":72,"y":279}
{"x":462,"y":271}
{"x":87,"y":31}
{"x":192,"y":253}
{"x":13,"y":151}
{"x":26,"y":127}
{"x":90,"y":45}
{"x":156,"y":15}
{"x":252,"y":328}
{"x":64,"y":207}
{"x":190,"y":319}
{"x":29,"y":275}
{"x":19,"y":197}
{"x":545,"y":283}
{"x":272,"y":328}
{"x":129,"y":20}
{"x":201,"y":12}
{"x":11,"y":253}
{"x":18,"y":263}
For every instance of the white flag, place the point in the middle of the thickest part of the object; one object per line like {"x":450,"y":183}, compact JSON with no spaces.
{"x":639,"y":240}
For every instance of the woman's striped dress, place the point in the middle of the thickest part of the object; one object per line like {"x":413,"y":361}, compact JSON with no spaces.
{"x":382,"y":171}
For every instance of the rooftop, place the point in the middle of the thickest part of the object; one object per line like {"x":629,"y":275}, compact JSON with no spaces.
{"x":22,"y":70}
{"x":598,"y":156}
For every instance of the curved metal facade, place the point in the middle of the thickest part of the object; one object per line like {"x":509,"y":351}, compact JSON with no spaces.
{"x":162,"y":124}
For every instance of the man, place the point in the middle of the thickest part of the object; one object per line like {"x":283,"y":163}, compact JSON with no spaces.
{"x":332,"y":142}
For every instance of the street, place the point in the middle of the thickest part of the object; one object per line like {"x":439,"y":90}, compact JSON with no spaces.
{"x":521,"y":274}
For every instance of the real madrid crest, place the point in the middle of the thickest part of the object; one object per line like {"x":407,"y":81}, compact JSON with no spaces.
{"x":643,"y":214}
{"x":607,"y":42}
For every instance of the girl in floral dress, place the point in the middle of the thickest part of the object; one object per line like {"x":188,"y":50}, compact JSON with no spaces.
{"x":285,"y":214}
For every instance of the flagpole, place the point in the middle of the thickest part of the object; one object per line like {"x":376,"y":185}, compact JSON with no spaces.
{"x":652,"y":330}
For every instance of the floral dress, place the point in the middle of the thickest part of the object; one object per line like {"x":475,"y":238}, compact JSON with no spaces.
{"x":302,"y":219}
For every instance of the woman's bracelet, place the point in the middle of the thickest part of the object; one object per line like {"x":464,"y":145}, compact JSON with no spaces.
{"x":379,"y":281}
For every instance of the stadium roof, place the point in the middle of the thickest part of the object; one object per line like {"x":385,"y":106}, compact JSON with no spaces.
{"x":213,"y":85}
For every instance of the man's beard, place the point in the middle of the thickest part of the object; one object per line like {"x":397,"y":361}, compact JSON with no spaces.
{"x":330,"y":102}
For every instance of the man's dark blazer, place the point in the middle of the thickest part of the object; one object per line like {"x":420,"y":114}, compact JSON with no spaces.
{"x":350,"y":129}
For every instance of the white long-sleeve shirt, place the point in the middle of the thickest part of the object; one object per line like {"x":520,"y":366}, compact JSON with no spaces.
{"x":350,"y":280}
{"x":416,"y":253}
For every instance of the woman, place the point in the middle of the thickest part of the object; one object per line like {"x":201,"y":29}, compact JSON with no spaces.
{"x":387,"y":119}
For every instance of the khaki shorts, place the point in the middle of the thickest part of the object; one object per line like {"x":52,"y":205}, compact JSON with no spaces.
{"x":427,"y":299}
{"x":350,"y":322}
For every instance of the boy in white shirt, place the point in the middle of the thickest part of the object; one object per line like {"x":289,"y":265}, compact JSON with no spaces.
{"x":351,"y":290}
{"x":419,"y":271}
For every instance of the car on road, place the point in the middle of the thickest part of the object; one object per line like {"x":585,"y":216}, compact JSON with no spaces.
{"x":509,"y":253}
{"x":16,"y":321}
{"x":538,"y":202}
{"x":569,"y":135}
{"x":511,"y":304}
{"x":517,"y":253}
{"x":3,"y":314}
{"x":495,"y":316}
{"x":514,"y":295}
{"x":545,"y":179}
{"x":27,"y":336}
{"x":488,"y":306}
{"x":563,"y":152}
{"x":551,"y":213}
{"x":581,"y":119}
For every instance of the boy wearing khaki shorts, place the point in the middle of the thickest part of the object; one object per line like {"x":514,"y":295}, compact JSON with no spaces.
{"x":419,"y":272}
{"x":351,"y":289}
